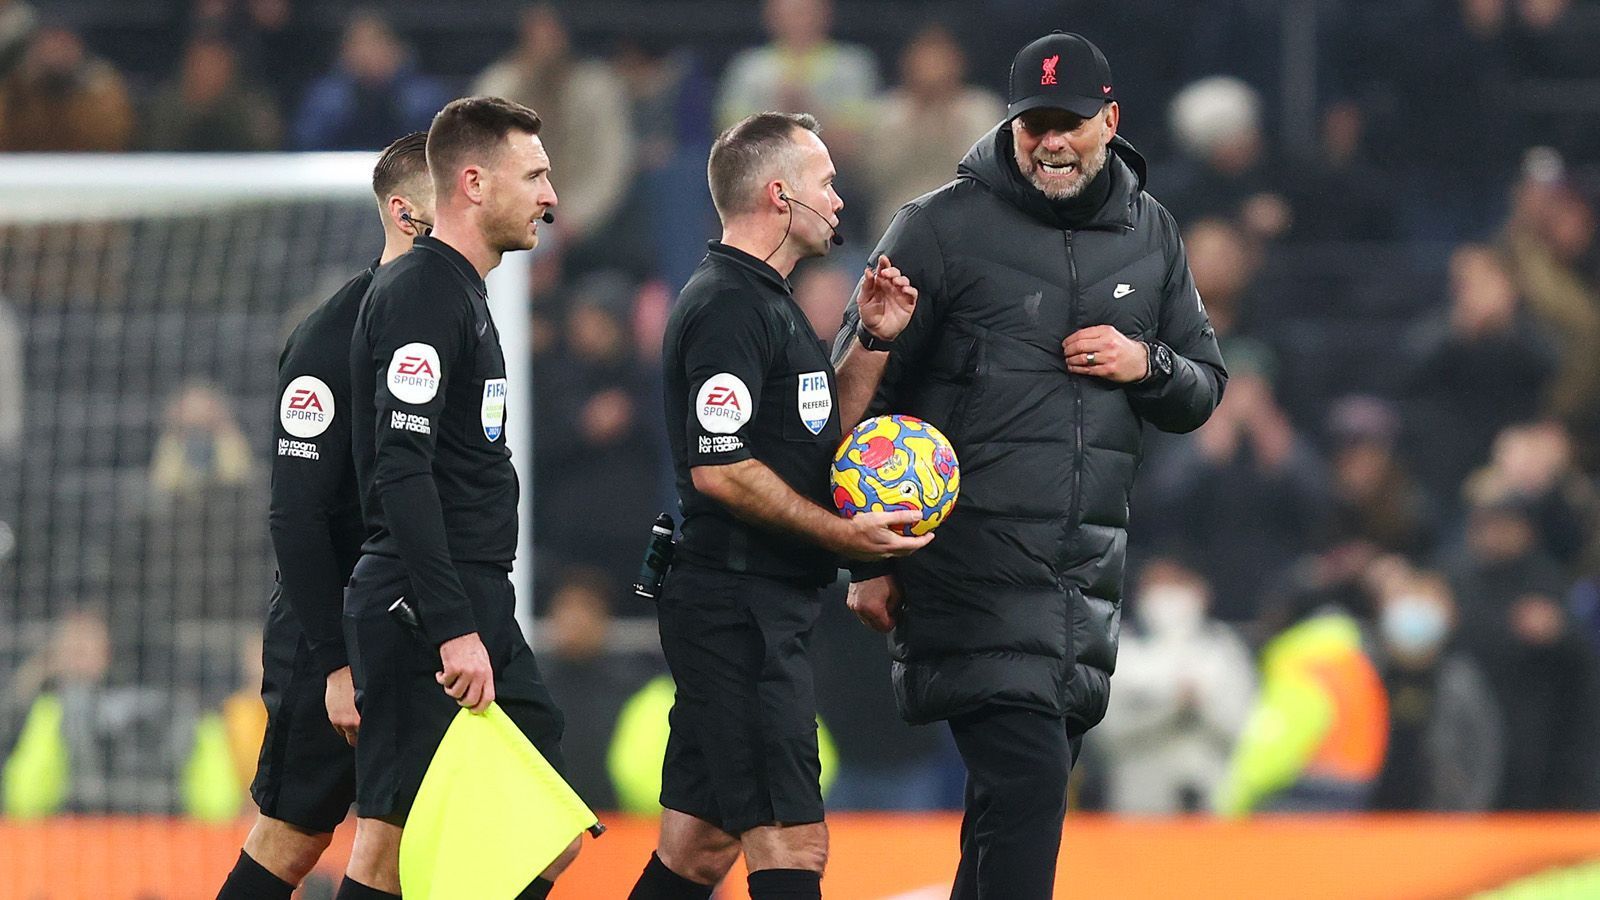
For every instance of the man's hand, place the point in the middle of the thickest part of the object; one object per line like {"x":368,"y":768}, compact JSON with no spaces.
{"x":1104,"y":352}
{"x":887,"y":300}
{"x":872,"y":536}
{"x":340,"y":698}
{"x":467,"y":676}
{"x":876,"y":602}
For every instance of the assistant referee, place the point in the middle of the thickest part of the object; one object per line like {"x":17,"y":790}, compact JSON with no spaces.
{"x":306,"y":774}
{"x":439,"y":493}
{"x":753,"y":420}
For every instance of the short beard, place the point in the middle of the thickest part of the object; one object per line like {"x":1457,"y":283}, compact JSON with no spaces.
{"x":1088,"y":170}
{"x":511,"y":238}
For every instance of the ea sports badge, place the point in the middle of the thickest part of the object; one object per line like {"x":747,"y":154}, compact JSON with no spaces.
{"x":815,"y":401}
{"x":306,"y":408}
{"x":493,"y":411}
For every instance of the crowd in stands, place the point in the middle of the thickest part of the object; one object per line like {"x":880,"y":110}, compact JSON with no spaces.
{"x":1371,"y":581}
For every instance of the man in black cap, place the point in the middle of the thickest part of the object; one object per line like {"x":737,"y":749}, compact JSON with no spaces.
{"x":1056,"y":316}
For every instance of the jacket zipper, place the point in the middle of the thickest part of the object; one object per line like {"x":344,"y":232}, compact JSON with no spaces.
{"x":1077,"y":393}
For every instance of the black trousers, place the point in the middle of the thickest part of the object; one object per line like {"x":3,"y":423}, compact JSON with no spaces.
{"x":1017,"y":762}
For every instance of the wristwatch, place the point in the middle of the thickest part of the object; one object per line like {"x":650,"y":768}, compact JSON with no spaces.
{"x":871,"y":341}
{"x":1159,"y":362}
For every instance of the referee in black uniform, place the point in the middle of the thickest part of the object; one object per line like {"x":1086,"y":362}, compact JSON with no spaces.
{"x":753,"y":420}
{"x":305,"y":777}
{"x":439,"y":493}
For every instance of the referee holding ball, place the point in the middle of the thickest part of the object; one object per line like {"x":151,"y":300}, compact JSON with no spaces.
{"x":753,"y":420}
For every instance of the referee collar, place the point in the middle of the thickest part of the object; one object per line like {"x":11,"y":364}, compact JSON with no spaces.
{"x":456,"y":259}
{"x":741,"y":258}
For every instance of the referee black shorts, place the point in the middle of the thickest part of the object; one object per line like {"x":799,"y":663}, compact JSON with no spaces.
{"x":404,"y":711}
{"x":306,"y":774}
{"x":743,"y":748}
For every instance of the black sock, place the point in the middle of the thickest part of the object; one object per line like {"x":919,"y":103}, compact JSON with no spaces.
{"x":658,"y":882}
{"x":538,"y":890}
{"x":350,"y":889}
{"x":250,"y":880}
{"x":785,"y":884}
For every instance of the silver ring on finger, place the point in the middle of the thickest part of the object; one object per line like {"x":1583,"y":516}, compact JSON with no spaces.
{"x":1088,"y":359}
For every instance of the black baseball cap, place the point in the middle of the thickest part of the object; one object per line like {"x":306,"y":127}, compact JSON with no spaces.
{"x":1060,"y":71}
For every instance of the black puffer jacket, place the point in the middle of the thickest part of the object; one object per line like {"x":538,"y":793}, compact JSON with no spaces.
{"x":1017,"y":600}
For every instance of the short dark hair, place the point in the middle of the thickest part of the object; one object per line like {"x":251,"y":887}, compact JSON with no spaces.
{"x":473,"y":125}
{"x":747,"y":151}
{"x":400,"y":164}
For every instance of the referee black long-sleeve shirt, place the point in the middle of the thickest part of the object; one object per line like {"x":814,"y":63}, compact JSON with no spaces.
{"x":747,"y":378}
{"x":429,"y":391}
{"x":315,"y":512}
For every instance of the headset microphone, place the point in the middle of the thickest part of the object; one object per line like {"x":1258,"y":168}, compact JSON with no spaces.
{"x":837,"y":239}
{"x":547,"y":218}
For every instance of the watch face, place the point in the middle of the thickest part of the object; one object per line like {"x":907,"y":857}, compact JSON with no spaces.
{"x":1164,"y":359}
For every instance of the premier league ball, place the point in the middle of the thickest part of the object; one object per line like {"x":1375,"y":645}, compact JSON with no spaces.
{"x":897,"y":462}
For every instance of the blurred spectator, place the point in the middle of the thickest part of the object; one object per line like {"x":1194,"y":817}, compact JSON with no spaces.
{"x":373,"y":95}
{"x":1533,"y":464}
{"x":1446,"y":745}
{"x":1543,"y":673}
{"x":87,"y":743}
{"x":822,"y":291}
{"x":802,"y":70}
{"x":588,"y":682}
{"x":599,"y":476}
{"x":1315,"y":740}
{"x":1475,"y":368}
{"x":586,"y":123}
{"x":670,"y":99}
{"x":201,"y":548}
{"x":884,"y":764}
{"x":1345,"y":196}
{"x":209,"y":108}
{"x":1500,"y":560}
{"x":1224,"y":170}
{"x":1375,"y":497}
{"x":1451,"y":119}
{"x":17,"y":23}
{"x":200,"y":443}
{"x":1551,"y":45}
{"x":214,"y":781}
{"x":1554,"y":261}
{"x":267,"y":34}
{"x":935,"y":104}
{"x":1245,"y":498}
{"x":1546,"y":38}
{"x":1225,"y":264}
{"x":61,"y":98}
{"x":1184,"y":687}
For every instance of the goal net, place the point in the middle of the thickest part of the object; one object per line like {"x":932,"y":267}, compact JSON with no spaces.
{"x":143,"y":305}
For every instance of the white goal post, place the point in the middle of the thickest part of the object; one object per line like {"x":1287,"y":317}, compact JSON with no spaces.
{"x":199,"y":214}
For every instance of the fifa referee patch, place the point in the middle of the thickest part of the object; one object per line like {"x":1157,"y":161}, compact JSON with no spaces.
{"x":306,"y":408}
{"x":723,"y":405}
{"x":815,"y":401}
{"x":493,"y":411}
{"x":414,"y":373}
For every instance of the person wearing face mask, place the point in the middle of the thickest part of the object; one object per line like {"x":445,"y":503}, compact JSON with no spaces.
{"x":1185,"y":687}
{"x":1056,"y":318}
{"x":1446,"y":745}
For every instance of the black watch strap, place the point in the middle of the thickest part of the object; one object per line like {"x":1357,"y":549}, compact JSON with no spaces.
{"x":872,"y":342}
{"x":1158,"y":363}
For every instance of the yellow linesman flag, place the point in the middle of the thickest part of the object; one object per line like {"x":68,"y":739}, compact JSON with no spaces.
{"x":491,"y":814}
